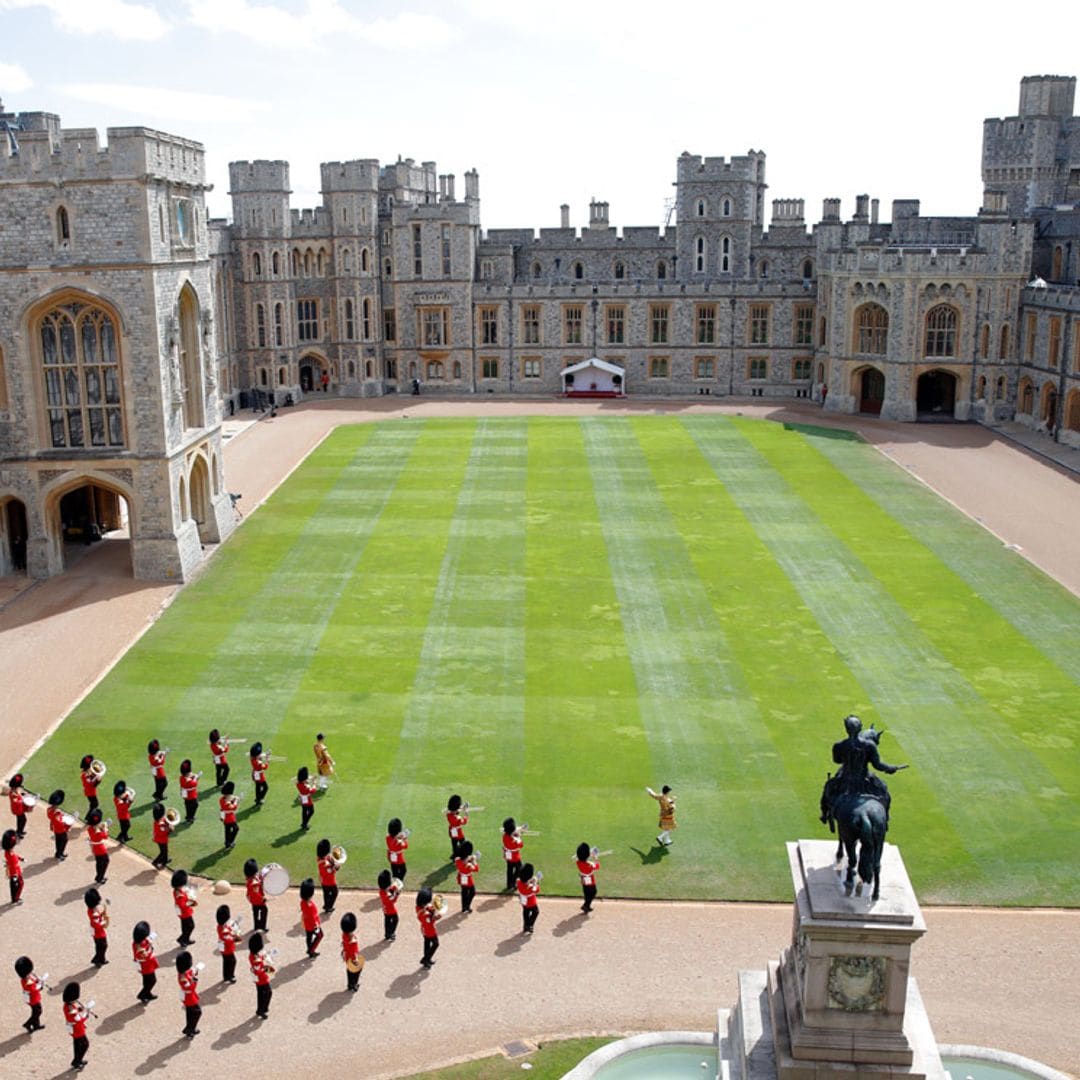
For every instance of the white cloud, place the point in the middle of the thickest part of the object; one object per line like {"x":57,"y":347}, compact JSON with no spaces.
{"x":277,"y":27}
{"x":116,"y":18}
{"x":13,"y":79}
{"x":166,"y":104}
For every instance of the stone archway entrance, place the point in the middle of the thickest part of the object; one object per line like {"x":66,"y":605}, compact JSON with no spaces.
{"x":871,"y":391}
{"x":935,"y":395}
{"x":13,"y":536}
{"x":311,"y":373}
{"x":88,"y":514}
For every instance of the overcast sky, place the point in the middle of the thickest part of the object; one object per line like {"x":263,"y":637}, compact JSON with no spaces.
{"x":554,"y":101}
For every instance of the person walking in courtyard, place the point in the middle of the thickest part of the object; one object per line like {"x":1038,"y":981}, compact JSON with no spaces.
{"x":512,"y":842}
{"x":60,"y":821}
{"x":389,"y":891}
{"x":17,"y":800}
{"x":328,"y":868}
{"x":186,"y":903}
{"x":123,"y":797}
{"x":256,"y":894}
{"x":305,"y":790}
{"x":588,"y":862}
{"x":309,"y":918}
{"x":428,"y":916}
{"x":260,"y":762}
{"x":90,"y":778}
{"x":350,"y":952}
{"x":13,"y":865}
{"x":528,"y":889}
{"x":467,"y":863}
{"x":142,"y":953}
{"x":162,"y":832}
{"x":77,"y":1015}
{"x":666,"y":799}
{"x":228,"y":932}
{"x":187,"y":976}
{"x":97,"y":833}
{"x":397,"y":842}
{"x":261,"y":971}
{"x":228,"y":803}
{"x":155,"y":756}
{"x":98,"y":917}
{"x":32,"y":987}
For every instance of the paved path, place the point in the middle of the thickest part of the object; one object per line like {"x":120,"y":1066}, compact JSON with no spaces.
{"x":1004,"y":978}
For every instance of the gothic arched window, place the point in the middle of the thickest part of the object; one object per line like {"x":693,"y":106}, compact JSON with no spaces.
{"x":941,"y":331}
{"x":872,"y":330}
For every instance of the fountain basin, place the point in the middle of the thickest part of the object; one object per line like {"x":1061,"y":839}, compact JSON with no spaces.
{"x":674,"y":1055}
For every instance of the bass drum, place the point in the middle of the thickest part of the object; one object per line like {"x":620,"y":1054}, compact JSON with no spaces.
{"x":29,"y":802}
{"x":275,"y":879}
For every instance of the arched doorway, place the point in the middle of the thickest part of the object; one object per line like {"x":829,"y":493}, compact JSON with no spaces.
{"x":13,"y":536}
{"x":1049,"y":407}
{"x":201,"y":507}
{"x":935,"y":395}
{"x":311,"y":373}
{"x":91,"y":518}
{"x":871,"y":391}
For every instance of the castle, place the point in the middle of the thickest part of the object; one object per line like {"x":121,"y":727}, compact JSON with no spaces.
{"x":131,"y":323}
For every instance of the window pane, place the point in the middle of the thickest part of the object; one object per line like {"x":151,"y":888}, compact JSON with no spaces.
{"x":56,"y":424}
{"x":75,"y":426}
{"x":93,"y":387}
{"x":71,"y":387}
{"x":67,"y":341}
{"x":89,"y":341}
{"x":52,"y":387}
{"x":48,"y":342}
{"x":112,"y":386}
{"x":97,"y":427}
{"x":116,"y":428}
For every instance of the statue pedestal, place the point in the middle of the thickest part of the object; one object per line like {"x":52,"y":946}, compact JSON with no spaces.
{"x":840,"y":1003}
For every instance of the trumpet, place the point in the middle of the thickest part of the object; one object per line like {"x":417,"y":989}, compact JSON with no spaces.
{"x":338,"y":856}
{"x":535,"y":880}
{"x":405,"y":834}
{"x":467,"y":809}
{"x":524,"y":830}
{"x":97,"y":768}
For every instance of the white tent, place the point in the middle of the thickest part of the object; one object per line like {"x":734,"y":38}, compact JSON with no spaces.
{"x":594,"y":376}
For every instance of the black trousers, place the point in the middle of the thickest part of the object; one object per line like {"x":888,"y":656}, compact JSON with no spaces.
{"x":352,"y":979}
{"x":124,"y":835}
{"x":398,"y":870}
{"x":512,"y":869}
{"x":187,"y":928}
{"x":467,"y":894}
{"x":313,"y":937}
{"x":20,"y":825}
{"x":529,"y":915}
{"x":455,"y":847}
{"x":80,"y":1045}
{"x":191,"y":806}
{"x":16,"y":886}
{"x":192,"y":1012}
{"x":389,"y":923}
{"x":60,"y":842}
{"x":329,"y":898}
{"x":160,"y":784}
{"x":101,"y":946}
{"x":34,"y":1021}
{"x":92,"y":803}
{"x":307,"y":811}
{"x":228,"y":967}
{"x":258,"y":916}
{"x":162,"y":859}
{"x":232,"y":829}
{"x":221,"y":773}
{"x":431,"y":945}
{"x":589,"y":892}
{"x":263,"y":994}
{"x":101,"y":865}
{"x":261,"y":788}
{"x":149,"y":981}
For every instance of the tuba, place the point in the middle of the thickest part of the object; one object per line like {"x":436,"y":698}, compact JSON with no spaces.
{"x":438,"y":904}
{"x":97,"y":768}
{"x":172,"y":817}
{"x":338,"y":855}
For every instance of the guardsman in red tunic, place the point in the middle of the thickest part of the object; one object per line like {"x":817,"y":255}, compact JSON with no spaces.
{"x":528,"y":886}
{"x":186,"y":903}
{"x":466,"y":864}
{"x":59,"y":822}
{"x":76,"y":1015}
{"x":587,"y":865}
{"x":219,"y":751}
{"x":228,"y":804}
{"x":228,"y":933}
{"x":512,"y":843}
{"x":328,"y":868}
{"x":397,"y":841}
{"x":256,"y":894}
{"x":261,"y":971}
{"x":350,"y":952}
{"x":90,"y":780}
{"x":187,"y":975}
{"x":162,"y":832}
{"x":123,"y":797}
{"x":428,"y":917}
{"x":189,"y":788}
{"x":142,"y":952}
{"x":457,"y":817}
{"x":389,"y":891}
{"x":17,"y":798}
{"x":99,"y":925}
{"x":309,"y":917}
{"x":97,"y":832}
{"x":156,"y":758}
{"x":32,"y":986}
{"x":13,"y":865}
{"x":305,"y":790}
{"x":260,"y":762}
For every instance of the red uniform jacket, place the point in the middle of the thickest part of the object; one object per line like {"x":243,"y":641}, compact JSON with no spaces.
{"x":309,"y":914}
{"x":189,"y":987}
{"x":56,"y":819}
{"x":97,"y":834}
{"x":228,"y":809}
{"x":96,"y":916}
{"x":76,"y":1016}
{"x":388,"y":901}
{"x":512,"y":846}
{"x":327,"y":871}
{"x":185,"y":907}
{"x":189,"y":785}
{"x":143,"y":953}
{"x":258,"y":968}
{"x":13,"y":864}
{"x":157,"y":763}
{"x":306,"y":789}
{"x":227,"y":936}
{"x":587,"y":869}
{"x":123,"y":807}
{"x":350,"y":947}
{"x":464,"y":872}
{"x":255,"y":893}
{"x":219,"y":750}
{"x":17,"y":805}
{"x":456,"y":824}
{"x":31,"y":988}
{"x":89,"y":783}
{"x":527,"y":893}
{"x":427,"y":919}
{"x":395,"y":849}
{"x":161,"y":831}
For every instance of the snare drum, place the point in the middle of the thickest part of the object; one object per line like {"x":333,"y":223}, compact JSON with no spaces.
{"x":275,"y":879}
{"x":29,"y":801}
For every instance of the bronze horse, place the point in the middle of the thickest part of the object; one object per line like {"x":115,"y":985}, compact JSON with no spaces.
{"x":862,"y":821}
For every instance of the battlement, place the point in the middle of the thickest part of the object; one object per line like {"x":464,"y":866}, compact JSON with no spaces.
{"x":350,"y":176}
{"x":253,"y":177}
{"x":748,"y":167}
{"x":310,"y":221}
{"x":44,"y":150}
{"x":1047,"y":95}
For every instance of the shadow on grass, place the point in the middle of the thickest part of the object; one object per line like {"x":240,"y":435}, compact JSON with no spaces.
{"x":288,"y":838}
{"x":437,"y":877}
{"x":207,"y":861}
{"x":242,"y":815}
{"x":653,"y":856}
{"x":329,"y":1005}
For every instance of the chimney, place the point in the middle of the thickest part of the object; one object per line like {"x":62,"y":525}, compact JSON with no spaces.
{"x":564,"y":216}
{"x":472,"y":184}
{"x":830,"y":210}
{"x":861,"y":208}
{"x":598,"y":214}
{"x":450,"y":187}
{"x":875,"y":204}
{"x":442,"y":185}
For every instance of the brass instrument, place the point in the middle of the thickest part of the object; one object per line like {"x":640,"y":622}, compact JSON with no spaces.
{"x":97,"y":768}
{"x":172,"y":817}
{"x":338,"y":856}
{"x":467,"y":809}
{"x":535,"y":880}
{"x":438,"y":904}
{"x":524,"y":830}
{"x":405,"y":834}
{"x":128,"y":796}
{"x":192,"y":894}
{"x":355,"y":964}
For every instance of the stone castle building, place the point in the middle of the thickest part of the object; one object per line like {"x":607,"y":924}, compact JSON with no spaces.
{"x":115,"y":372}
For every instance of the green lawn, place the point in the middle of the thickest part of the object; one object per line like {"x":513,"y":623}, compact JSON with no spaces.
{"x":547,"y":614}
